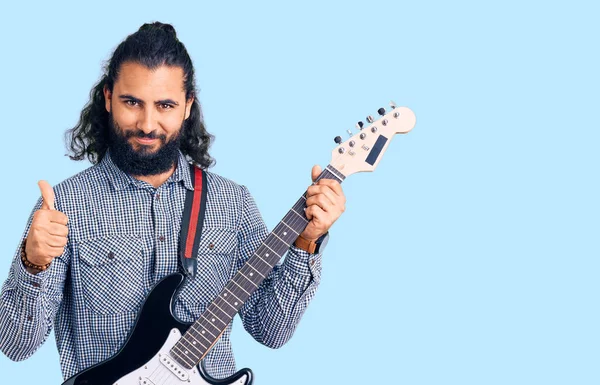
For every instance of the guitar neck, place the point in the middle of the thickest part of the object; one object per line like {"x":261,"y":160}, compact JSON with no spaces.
{"x":205,"y":332}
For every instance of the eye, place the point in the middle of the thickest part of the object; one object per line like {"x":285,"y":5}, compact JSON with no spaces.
{"x":131,"y":103}
{"x":165,"y":106}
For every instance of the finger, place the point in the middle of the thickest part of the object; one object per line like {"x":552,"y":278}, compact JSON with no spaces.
{"x":58,"y":229}
{"x":333,"y":184}
{"x":55,"y":251}
{"x":47,"y":195}
{"x":327,"y":191}
{"x":58,"y":217}
{"x":308,"y":211}
{"x":315,"y":172}
{"x":321,"y":200}
{"x":318,"y":189}
{"x":318,"y":217}
{"x":51,"y":216}
{"x":56,"y":241}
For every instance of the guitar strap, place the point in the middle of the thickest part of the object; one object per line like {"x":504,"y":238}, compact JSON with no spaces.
{"x":192,"y":220}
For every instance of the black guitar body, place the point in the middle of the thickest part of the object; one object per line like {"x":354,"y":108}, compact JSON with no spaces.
{"x":154,"y":323}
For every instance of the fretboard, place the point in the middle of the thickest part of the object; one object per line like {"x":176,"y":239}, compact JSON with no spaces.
{"x":205,"y":332}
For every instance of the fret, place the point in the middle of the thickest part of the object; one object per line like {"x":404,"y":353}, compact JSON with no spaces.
{"x":185,"y":360}
{"x":203,"y":333}
{"x":206,"y":338}
{"x":278,"y":238}
{"x":277,"y":245}
{"x":265,"y":245}
{"x":289,"y":227}
{"x":293,"y":221}
{"x":200,"y":342}
{"x":294,"y":211}
{"x":237,"y":294}
{"x":227,"y":302}
{"x":259,"y":273}
{"x":186,"y":338}
{"x":190,"y":345}
{"x":249,"y":279}
{"x":299,"y":207}
{"x":233,"y":294}
{"x":288,"y":237}
{"x":259,"y":257}
{"x":214,"y":303}
{"x":263,"y":249}
{"x":234,"y":307}
{"x":207,"y":322}
{"x":215,"y":317}
{"x":243,"y":283}
{"x":240,"y":287}
{"x":246,"y":280}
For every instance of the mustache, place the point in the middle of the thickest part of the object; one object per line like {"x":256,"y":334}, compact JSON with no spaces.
{"x":141,"y":134}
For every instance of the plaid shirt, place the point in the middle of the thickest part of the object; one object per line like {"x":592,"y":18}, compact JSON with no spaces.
{"x":123,"y":238}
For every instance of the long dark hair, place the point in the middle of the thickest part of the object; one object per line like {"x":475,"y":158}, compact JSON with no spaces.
{"x":153,"y":45}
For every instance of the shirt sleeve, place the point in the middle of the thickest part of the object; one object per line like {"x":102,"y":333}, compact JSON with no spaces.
{"x":273,"y":311}
{"x":28,"y":302}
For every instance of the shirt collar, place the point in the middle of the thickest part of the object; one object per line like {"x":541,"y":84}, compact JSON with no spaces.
{"x":120,"y":180}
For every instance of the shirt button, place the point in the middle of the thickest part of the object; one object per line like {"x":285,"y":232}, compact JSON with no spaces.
{"x":312,"y":262}
{"x":211,"y":245}
{"x":29,"y":318}
{"x":157,"y":195}
{"x":111,"y":255}
{"x":161,"y":238}
{"x":35,"y":284}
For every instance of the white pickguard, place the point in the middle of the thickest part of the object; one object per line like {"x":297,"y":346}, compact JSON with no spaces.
{"x":163,"y":370}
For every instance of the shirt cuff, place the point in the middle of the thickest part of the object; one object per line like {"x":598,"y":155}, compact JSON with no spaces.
{"x":30,"y":284}
{"x":301,"y":262}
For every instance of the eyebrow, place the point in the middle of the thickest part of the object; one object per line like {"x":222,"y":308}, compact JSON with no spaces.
{"x":162,"y":101}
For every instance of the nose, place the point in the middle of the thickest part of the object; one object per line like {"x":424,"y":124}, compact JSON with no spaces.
{"x":147,"y":120}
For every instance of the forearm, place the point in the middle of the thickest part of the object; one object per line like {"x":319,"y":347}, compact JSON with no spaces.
{"x":276,"y":307}
{"x":28,"y":303}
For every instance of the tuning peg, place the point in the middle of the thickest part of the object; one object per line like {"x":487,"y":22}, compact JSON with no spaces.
{"x":338,"y":139}
{"x":359,"y":125}
{"x":381,"y":111}
{"x":393,"y":105}
{"x":370,"y":119}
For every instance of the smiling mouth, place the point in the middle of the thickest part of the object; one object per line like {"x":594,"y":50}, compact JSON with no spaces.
{"x":146,"y":141}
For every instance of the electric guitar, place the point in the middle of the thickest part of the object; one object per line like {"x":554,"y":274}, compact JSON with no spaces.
{"x":161,"y":350}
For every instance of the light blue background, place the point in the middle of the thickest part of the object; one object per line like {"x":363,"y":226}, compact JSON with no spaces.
{"x":470,"y":256}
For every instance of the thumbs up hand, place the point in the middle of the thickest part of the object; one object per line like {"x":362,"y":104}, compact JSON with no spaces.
{"x":48,"y":231}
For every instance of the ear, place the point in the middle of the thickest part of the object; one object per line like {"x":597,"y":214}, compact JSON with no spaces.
{"x":188,"y":107}
{"x":107,"y":98}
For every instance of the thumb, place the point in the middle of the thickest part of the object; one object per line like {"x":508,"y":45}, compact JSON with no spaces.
{"x":316,"y":171}
{"x":47,"y":195}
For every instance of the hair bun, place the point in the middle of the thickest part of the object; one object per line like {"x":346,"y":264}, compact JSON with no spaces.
{"x":160,"y":26}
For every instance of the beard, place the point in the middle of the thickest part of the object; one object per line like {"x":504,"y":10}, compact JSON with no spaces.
{"x":142,"y":162}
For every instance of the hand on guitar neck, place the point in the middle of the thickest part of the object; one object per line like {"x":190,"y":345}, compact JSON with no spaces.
{"x":325,"y":202}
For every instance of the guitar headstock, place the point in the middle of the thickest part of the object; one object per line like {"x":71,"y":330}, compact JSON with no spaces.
{"x":363,"y":151}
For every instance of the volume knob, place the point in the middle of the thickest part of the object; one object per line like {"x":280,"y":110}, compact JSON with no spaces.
{"x":338,"y":139}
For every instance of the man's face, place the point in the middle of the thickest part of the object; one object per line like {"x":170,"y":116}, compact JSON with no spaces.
{"x":147,"y":109}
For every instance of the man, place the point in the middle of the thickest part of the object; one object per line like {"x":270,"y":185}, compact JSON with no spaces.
{"x":96,"y":243}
